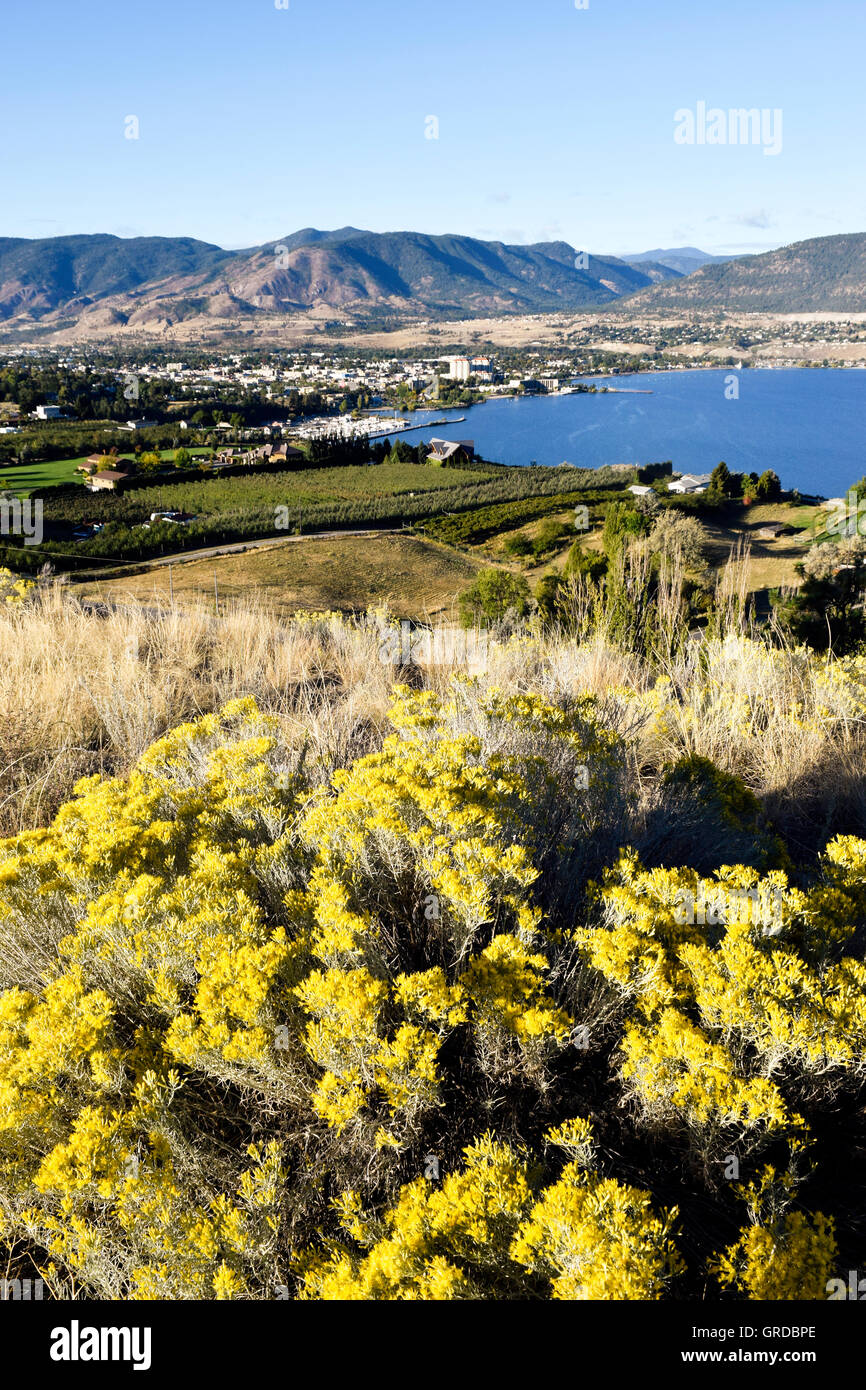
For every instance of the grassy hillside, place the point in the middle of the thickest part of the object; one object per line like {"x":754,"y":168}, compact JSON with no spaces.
{"x":436,"y":992}
{"x":412,"y":576}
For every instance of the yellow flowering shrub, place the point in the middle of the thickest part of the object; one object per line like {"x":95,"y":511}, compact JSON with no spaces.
{"x":487,"y":1231}
{"x":212,"y":931}
{"x":674,"y":1071}
{"x":736,"y":998}
{"x":14,"y":590}
{"x":263,"y":1035}
{"x":428,"y":846}
{"x":781,"y":1255}
{"x":596,"y":1238}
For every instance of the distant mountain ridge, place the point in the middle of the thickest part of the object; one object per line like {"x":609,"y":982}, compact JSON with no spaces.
{"x":682,"y":259}
{"x":91,"y":285}
{"x":105,"y":280}
{"x":823,"y":274}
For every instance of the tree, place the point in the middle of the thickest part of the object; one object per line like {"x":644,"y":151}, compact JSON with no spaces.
{"x":548,"y":536}
{"x":182,"y":458}
{"x":674,"y":534}
{"x":828,"y":608}
{"x":622,"y":524}
{"x":492,"y":595}
{"x":768,"y":487}
{"x":518,"y":544}
{"x":401,"y":452}
{"x":652,"y":472}
{"x":583,"y":564}
{"x":547,"y":595}
{"x":720,"y":481}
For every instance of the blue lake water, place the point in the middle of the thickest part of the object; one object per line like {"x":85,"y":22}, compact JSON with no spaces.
{"x":807,"y":424}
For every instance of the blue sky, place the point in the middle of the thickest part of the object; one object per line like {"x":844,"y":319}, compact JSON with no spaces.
{"x":553,"y":122}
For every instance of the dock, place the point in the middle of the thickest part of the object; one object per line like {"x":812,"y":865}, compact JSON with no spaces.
{"x":401,"y":428}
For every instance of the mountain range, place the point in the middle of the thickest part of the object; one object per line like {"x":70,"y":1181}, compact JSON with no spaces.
{"x":101,"y":281}
{"x":96,"y":285}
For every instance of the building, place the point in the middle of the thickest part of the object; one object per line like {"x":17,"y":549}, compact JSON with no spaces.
{"x":482,"y":368}
{"x":107,"y":480}
{"x":451,"y":451}
{"x":282,"y":453}
{"x":639,"y":489}
{"x":690,"y":483}
{"x":108,"y":463}
{"x":459,"y":368}
{"x":48,"y":412}
{"x":139,"y":425}
{"x":550,"y":383}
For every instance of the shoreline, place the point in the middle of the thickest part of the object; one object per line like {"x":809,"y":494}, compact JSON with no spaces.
{"x":509,"y":437}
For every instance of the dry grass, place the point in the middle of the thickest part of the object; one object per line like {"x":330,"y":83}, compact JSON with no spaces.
{"x":88,"y":692}
{"x":414,"y":577}
{"x":771,"y":562}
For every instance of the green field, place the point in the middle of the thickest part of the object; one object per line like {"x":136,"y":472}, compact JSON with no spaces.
{"x":22,"y":479}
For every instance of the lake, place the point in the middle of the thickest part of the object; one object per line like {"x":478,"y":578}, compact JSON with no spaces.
{"x":807,"y":424}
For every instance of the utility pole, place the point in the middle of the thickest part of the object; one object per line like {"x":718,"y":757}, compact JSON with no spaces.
{"x":171,"y":586}
{"x":216,"y":594}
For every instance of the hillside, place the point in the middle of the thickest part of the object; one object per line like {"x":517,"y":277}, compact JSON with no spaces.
{"x":822,"y":274}
{"x":318,"y":989}
{"x":72,"y":272}
{"x":104,"y":281}
{"x":89,"y":285}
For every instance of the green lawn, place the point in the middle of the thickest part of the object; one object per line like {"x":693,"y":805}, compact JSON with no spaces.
{"x":26,"y":478}
{"x":22,"y":479}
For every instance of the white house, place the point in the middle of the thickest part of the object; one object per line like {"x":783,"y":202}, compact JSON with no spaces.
{"x":639,"y":489}
{"x":690,"y":483}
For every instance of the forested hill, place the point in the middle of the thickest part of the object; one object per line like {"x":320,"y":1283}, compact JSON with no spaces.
{"x":822,"y":274}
